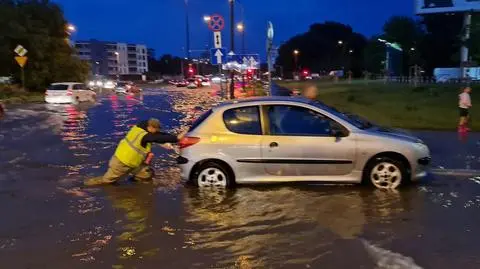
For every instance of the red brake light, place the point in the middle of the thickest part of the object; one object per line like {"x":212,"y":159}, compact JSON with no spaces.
{"x":69,"y":93}
{"x":188,"y":141}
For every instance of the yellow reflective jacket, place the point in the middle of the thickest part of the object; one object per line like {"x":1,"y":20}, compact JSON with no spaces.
{"x":130,"y":151}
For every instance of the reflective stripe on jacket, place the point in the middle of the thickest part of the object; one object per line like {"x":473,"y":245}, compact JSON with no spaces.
{"x":130,"y":151}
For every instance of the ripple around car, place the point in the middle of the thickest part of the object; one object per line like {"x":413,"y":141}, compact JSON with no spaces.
{"x":290,"y":139}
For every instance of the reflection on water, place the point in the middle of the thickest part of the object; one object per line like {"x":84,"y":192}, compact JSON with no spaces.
{"x":167,"y":225}
{"x":258,"y":224}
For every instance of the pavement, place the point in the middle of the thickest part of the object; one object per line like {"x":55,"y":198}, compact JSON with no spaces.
{"x":50,"y":220}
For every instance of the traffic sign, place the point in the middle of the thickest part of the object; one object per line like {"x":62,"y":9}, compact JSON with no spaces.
{"x":217,"y":39}
{"x":218,"y":55}
{"x":21,"y":60}
{"x":249,"y":61}
{"x":20,"y":50}
{"x":216,"y":23}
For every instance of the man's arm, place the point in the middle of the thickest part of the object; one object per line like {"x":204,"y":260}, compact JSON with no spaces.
{"x":159,"y":138}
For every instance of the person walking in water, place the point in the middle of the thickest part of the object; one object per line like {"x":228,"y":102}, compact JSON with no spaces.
{"x":133,"y":153}
{"x":464,"y":104}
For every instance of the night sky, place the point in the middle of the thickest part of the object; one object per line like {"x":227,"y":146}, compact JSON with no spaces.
{"x":160,"y":24}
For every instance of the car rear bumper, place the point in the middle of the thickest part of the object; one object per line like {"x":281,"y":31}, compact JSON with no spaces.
{"x":59,"y":99}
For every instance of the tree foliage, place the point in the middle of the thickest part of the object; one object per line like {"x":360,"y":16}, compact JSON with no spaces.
{"x":40,"y":27}
{"x":320,"y":49}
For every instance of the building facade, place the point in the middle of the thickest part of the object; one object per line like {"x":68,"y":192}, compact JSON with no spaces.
{"x":110,"y":58}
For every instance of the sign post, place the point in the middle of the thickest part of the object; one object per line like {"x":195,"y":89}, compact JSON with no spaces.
{"x":270,"y":34}
{"x":21,"y":60}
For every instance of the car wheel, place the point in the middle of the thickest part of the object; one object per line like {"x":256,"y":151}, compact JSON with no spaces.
{"x":212,"y":174}
{"x":386,"y":173}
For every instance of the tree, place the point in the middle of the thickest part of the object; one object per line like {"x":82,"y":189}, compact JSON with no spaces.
{"x":325,"y":47}
{"x":40,"y":27}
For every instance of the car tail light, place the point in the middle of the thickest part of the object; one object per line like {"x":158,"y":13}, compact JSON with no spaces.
{"x":46,"y":92}
{"x":188,"y":141}
{"x":69,"y":93}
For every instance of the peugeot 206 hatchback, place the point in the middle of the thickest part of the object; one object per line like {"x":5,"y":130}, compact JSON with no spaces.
{"x":289,"y":139}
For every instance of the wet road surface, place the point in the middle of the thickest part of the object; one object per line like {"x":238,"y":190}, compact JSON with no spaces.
{"x":50,"y":221}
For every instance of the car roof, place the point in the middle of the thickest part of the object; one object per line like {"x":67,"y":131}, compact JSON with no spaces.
{"x":66,"y":83}
{"x":265,"y":100}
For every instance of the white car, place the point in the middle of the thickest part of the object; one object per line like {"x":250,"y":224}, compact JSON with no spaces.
{"x":206,"y":82}
{"x":68,"y":93}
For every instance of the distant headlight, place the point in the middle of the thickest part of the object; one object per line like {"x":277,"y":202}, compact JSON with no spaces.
{"x":109,"y":85}
{"x":99,"y":83}
{"x":91,"y":83}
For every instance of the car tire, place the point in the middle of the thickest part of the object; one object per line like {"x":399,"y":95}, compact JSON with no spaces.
{"x":386,"y":173}
{"x":213,"y":174}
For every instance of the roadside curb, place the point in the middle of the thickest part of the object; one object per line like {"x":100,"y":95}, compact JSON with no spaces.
{"x":455,"y":172}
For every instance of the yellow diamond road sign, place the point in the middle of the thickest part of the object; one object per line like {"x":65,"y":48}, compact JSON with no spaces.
{"x":20,"y":50}
{"x":21,"y":60}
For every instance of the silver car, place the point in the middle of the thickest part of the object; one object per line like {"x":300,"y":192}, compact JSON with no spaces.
{"x":290,"y":139}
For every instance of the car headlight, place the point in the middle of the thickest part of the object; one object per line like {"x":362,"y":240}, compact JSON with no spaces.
{"x":99,"y":83}
{"x":91,"y":83}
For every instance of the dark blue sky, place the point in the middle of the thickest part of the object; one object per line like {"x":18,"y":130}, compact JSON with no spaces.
{"x":160,"y":24}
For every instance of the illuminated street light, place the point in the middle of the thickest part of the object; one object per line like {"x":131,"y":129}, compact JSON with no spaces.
{"x":296,"y":52}
{"x":206,"y":18}
{"x":340,"y":42}
{"x":412,"y":49}
{"x":71,"y":28}
{"x":240,"y":27}
{"x":350,"y":51}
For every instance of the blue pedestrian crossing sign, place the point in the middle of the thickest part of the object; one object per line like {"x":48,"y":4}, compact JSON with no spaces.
{"x":218,"y":56}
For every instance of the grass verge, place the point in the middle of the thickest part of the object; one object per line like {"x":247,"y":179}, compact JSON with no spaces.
{"x":427,"y":107}
{"x":13,"y":95}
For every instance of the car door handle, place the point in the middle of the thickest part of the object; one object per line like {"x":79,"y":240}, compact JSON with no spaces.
{"x":273,"y":144}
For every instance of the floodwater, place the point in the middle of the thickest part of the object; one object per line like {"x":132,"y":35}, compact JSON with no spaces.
{"x":49,"y":220}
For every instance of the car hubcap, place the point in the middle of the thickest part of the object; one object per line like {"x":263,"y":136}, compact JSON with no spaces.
{"x":386,"y":176}
{"x":212,"y":177}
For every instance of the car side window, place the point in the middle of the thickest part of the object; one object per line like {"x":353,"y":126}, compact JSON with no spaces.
{"x":286,"y":120}
{"x":78,"y":87}
{"x":243,"y":120}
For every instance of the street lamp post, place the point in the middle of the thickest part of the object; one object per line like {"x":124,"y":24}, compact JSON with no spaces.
{"x":295,"y":67}
{"x":187,"y":29}
{"x":118,"y":65}
{"x":241,"y":29}
{"x":232,"y":46}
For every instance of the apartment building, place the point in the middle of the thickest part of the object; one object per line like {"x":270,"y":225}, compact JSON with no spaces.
{"x":111,"y":58}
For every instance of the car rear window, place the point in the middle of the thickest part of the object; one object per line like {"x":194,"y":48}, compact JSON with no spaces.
{"x":243,"y":120}
{"x":79,"y":87}
{"x":200,"y":119}
{"x":58,"y":87}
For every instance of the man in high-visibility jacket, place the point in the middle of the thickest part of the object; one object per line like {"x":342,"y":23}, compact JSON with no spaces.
{"x":132,"y":151}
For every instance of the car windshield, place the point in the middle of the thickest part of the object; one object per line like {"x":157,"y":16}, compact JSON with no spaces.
{"x":58,"y":87}
{"x":353,"y":119}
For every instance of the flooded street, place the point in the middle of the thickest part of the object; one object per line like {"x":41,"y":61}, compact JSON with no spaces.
{"x":49,"y":220}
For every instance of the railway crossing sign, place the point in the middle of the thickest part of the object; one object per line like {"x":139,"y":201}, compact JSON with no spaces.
{"x":216,"y":23}
{"x":249,"y":61}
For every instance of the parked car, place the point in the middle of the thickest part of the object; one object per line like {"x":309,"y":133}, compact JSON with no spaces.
{"x":206,"y":82}
{"x":293,"y":139}
{"x":192,"y":83}
{"x":122,"y":87}
{"x":133,"y":88}
{"x":68,"y":93}
{"x":182,"y":83}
